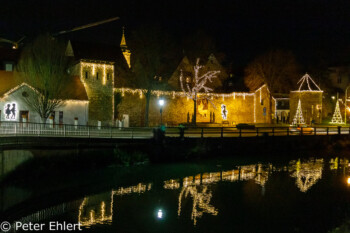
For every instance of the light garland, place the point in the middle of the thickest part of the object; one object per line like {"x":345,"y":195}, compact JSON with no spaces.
{"x":97,"y":66}
{"x":16,"y":88}
{"x":306,"y":79}
{"x":174,"y":94}
{"x":32,"y":88}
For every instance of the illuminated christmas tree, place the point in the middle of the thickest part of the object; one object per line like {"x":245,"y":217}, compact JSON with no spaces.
{"x":337,"y":119}
{"x":298,"y":118}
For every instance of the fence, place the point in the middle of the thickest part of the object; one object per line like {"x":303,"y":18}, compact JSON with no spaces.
{"x":83,"y":131}
{"x":254,"y":132}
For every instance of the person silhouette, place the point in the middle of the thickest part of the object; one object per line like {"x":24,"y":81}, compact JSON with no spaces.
{"x":224,"y":112}
{"x":8,"y":111}
{"x":13,"y":111}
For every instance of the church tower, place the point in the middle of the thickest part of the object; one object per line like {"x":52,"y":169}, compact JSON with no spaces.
{"x":125,"y":50}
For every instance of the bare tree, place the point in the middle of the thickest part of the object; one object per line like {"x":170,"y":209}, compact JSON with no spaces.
{"x":197,"y":84}
{"x":152,"y":56}
{"x":44,"y":66}
{"x":277,"y":69}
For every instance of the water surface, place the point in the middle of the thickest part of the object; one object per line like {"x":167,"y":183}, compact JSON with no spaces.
{"x":301,"y":195}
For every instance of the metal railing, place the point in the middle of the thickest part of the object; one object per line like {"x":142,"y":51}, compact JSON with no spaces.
{"x":84,"y":131}
{"x":80,"y":131}
{"x":222,"y":132}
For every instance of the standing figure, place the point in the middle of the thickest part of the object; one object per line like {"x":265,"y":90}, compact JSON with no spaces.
{"x":224,"y":112}
{"x":13,"y":111}
{"x":8,"y":111}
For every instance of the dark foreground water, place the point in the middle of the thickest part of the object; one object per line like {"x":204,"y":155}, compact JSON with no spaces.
{"x":300,"y":195}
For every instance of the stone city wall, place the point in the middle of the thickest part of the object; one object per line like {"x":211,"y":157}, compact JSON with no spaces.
{"x":241,"y":108}
{"x":311,"y":105}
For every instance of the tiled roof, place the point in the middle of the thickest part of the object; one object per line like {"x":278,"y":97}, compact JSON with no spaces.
{"x":74,"y":91}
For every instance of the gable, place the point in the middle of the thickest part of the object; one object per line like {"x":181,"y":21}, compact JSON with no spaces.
{"x":75,"y":89}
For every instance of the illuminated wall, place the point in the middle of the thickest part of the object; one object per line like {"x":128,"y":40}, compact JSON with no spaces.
{"x":241,"y":107}
{"x":97,"y":78}
{"x":311,"y":105}
{"x":71,"y":108}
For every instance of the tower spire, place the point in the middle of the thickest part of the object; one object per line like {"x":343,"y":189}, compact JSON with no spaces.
{"x":123,"y":42}
{"x":126,"y":52}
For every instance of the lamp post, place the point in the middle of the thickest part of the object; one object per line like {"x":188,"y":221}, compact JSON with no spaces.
{"x":161,"y":103}
{"x":346,"y":106}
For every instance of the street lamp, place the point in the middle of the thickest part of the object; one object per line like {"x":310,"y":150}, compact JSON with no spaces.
{"x":346,"y":99}
{"x":161,"y":103}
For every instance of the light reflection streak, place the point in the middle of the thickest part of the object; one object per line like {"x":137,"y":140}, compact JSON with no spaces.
{"x":198,"y":188}
{"x":306,"y":174}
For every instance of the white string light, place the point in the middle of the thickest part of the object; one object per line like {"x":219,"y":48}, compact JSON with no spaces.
{"x":307,"y":78}
{"x":94,"y":67}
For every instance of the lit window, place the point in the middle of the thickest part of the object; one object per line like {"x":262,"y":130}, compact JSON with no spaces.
{"x":188,"y":80}
{"x":9,"y":67}
{"x":339,"y":79}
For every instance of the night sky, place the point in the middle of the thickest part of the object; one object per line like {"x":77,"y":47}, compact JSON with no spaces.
{"x":313,"y":30}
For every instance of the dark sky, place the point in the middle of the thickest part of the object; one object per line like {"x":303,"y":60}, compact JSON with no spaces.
{"x":313,"y":29}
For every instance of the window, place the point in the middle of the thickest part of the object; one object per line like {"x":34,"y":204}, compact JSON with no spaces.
{"x":262,"y":102}
{"x":9,"y":67}
{"x":339,"y":79}
{"x":188,"y":79}
{"x":60,"y":119}
{"x":25,"y":94}
{"x":96,"y":75}
{"x":86,"y":75}
{"x":108,"y":76}
{"x":23,"y":115}
{"x":52,"y":116}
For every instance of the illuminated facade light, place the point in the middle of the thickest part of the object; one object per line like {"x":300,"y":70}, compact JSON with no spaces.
{"x":10,"y":111}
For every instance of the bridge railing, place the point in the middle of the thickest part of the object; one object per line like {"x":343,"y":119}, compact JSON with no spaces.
{"x":254,"y":132}
{"x":63,"y":130}
{"x":84,"y":131}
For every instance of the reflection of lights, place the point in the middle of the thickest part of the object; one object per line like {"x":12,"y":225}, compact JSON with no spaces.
{"x":160,"y":213}
{"x":139,"y":188}
{"x":90,"y":214}
{"x":348,"y":180}
{"x":171,"y":184}
{"x":307,"y":174}
{"x":337,"y":163}
{"x":201,"y":201}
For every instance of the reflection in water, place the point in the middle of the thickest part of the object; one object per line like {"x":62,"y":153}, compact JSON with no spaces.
{"x":306,"y":173}
{"x":100,"y":209}
{"x":139,"y":188}
{"x":336,"y":163}
{"x":171,"y":184}
{"x":93,"y":209}
{"x":201,"y":196}
{"x":198,"y":187}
